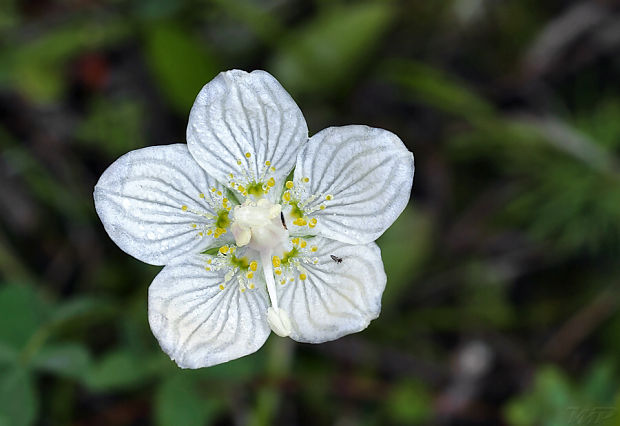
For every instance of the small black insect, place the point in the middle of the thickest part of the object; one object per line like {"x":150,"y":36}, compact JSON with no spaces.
{"x":336,"y":258}
{"x":283,"y":222}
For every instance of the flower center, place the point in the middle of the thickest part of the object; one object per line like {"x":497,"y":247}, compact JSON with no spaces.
{"x":258,"y":225}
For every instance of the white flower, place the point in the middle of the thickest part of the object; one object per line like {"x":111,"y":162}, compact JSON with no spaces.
{"x":259,"y":227}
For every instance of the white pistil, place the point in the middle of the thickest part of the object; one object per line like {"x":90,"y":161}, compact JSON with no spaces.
{"x":257,"y":225}
{"x":277,"y":318}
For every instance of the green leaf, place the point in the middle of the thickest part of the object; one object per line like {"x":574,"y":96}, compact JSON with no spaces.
{"x":238,"y":370}
{"x":18,"y":400}
{"x":35,"y":66}
{"x":78,"y":308}
{"x":8,"y":355}
{"x":179,"y":62}
{"x":211,"y":251}
{"x":409,"y":403}
{"x":68,"y":360}
{"x":433,"y":87}
{"x":177,"y":402}
{"x":404,"y":257}
{"x":120,"y":370}
{"x":113,"y":126}
{"x":21,"y":316}
{"x":325,"y":55}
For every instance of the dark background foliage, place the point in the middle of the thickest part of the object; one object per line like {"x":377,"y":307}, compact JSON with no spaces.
{"x":502,"y":298}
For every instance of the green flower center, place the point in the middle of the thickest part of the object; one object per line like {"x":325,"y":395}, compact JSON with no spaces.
{"x":222,"y":220}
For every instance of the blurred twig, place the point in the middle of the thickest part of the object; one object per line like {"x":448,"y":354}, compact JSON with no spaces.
{"x":360,"y":352}
{"x":581,"y":325}
{"x":11,"y":265}
{"x":280,"y":358}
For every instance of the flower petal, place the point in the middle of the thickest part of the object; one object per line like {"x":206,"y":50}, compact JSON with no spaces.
{"x":196,"y":323}
{"x":363,"y":177}
{"x":240,"y":113}
{"x":140,"y":199}
{"x":340,"y":295}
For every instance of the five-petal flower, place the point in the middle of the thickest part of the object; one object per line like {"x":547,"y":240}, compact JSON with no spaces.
{"x":259,"y":227}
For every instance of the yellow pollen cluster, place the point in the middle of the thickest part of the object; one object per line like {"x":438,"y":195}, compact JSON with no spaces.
{"x":215,"y":224}
{"x":249,"y":184}
{"x":302,"y":204}
{"x":291,"y":264}
{"x":238,"y":269}
{"x":300,"y":221}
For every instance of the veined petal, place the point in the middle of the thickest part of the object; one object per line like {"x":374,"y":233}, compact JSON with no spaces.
{"x":156,"y":203}
{"x":246,"y":125}
{"x":338,"y":295}
{"x":355,"y":181}
{"x":197,"y":322}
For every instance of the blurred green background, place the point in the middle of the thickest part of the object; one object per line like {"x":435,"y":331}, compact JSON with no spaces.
{"x":501,"y":306}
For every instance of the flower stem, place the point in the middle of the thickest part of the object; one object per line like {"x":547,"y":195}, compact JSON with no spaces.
{"x":280,"y":357}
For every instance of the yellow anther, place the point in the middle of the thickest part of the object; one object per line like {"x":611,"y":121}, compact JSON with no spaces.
{"x":329,"y":197}
{"x":184,"y":208}
{"x":201,"y":195}
{"x":240,"y":188}
{"x":221,"y":286}
{"x":314,"y":248}
{"x":287,"y":196}
{"x":200,"y":234}
{"x":209,"y":261}
{"x":253,"y":265}
{"x":303,"y":244}
{"x":224,"y":200}
{"x":238,"y":162}
{"x":278,"y":271}
{"x":295,"y":240}
{"x":213,"y":189}
{"x":289,"y":184}
{"x":216,"y":235}
{"x":224,"y":249}
{"x":251,"y":286}
{"x":273,"y":169}
{"x":248,"y":155}
{"x":271,"y":182}
{"x":283,"y":281}
{"x":207,"y":268}
{"x":249,"y":275}
{"x":322,"y":207}
{"x":194,"y":225}
{"x":242,"y":290}
{"x":313,"y":221}
{"x":276,"y":261}
{"x":231,"y":176}
{"x":267,"y":163}
{"x":302,"y":277}
{"x":306,"y":179}
{"x":219,"y":193}
{"x":209,"y":232}
{"x":300,"y":221}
